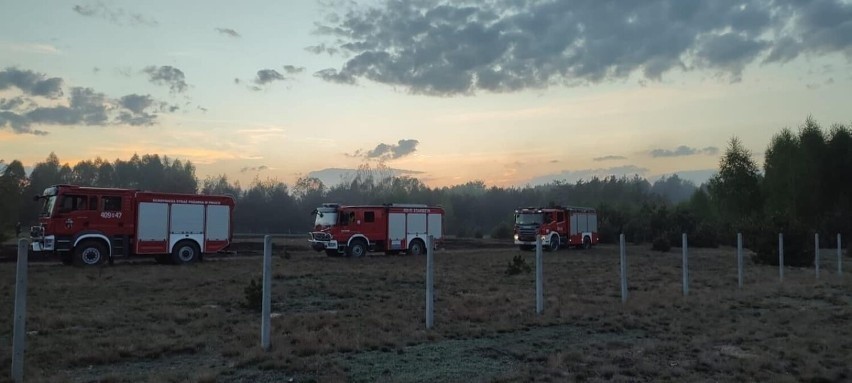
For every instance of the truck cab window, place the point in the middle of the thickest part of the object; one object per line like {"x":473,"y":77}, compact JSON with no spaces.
{"x":93,"y":203}
{"x":72,"y":203}
{"x":112,"y":203}
{"x":369,"y":216}
{"x":560,"y":216}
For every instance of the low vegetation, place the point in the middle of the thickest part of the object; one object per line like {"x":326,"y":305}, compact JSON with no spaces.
{"x":362,"y":320}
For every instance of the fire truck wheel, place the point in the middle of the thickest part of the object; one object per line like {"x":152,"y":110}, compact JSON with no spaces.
{"x":357,"y":249}
{"x":587,"y":243}
{"x":554,"y":243}
{"x":90,"y":253}
{"x":416,"y":247}
{"x":185,"y":252}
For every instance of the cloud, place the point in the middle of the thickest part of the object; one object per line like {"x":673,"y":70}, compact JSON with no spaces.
{"x":684,"y":150}
{"x":167,"y":75}
{"x":572,"y":176}
{"x":31,"y":83}
{"x":83,"y":106}
{"x":113,"y":14}
{"x":254,"y":168}
{"x":267,"y":76}
{"x":228,"y":32}
{"x":609,"y":158}
{"x":384,"y":151}
{"x":447,"y":48}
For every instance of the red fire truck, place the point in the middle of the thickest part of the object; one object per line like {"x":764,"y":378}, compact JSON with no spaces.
{"x":392,"y":228}
{"x":87,"y":225}
{"x":557,"y":226}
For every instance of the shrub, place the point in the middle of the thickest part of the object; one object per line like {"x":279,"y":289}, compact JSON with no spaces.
{"x":477,"y":234}
{"x":518,"y":265}
{"x":798,"y":243}
{"x":661,"y":244}
{"x":705,"y":236}
{"x":502,"y":231}
{"x":254,"y":295}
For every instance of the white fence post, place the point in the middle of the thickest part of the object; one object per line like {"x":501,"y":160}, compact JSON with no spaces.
{"x":539,"y":284}
{"x":839,"y":256}
{"x":685,"y":265}
{"x":740,"y":260}
{"x":19,"y":336}
{"x":816,"y":254}
{"x":267,"y":293}
{"x":781,"y":256}
{"x":623,"y":257}
{"x":430,"y":282}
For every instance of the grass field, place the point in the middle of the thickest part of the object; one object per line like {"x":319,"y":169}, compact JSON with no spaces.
{"x":362,"y":320}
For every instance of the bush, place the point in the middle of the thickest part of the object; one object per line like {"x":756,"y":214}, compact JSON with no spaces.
{"x":477,"y":234}
{"x":254,"y":295}
{"x":518,"y":265}
{"x":705,"y":236}
{"x":798,"y":243}
{"x":502,"y":231}
{"x":661,"y":244}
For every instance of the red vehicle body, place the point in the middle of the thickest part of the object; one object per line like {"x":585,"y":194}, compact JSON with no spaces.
{"x":393,"y":228}
{"x":88,"y":225}
{"x":557,"y":226}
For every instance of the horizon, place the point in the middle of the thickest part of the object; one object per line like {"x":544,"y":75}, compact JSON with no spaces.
{"x":508,"y":93}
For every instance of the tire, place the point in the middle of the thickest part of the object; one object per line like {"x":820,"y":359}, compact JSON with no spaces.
{"x":185,"y":251}
{"x":416,"y":247}
{"x":357,"y":249}
{"x":553,"y":245}
{"x":90,"y":253}
{"x":587,"y":243}
{"x":332,"y":253}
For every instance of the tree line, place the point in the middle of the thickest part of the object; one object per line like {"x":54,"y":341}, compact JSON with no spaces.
{"x":801,"y":189}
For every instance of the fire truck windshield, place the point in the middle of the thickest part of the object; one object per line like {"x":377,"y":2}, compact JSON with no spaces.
{"x":528,"y":218}
{"x":47,"y":208}
{"x":326,"y":217}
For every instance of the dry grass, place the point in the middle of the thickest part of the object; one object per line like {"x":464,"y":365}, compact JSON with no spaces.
{"x":343,"y":319}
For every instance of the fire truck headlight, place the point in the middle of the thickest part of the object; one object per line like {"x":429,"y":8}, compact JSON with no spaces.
{"x":543,"y":238}
{"x":516,"y":237}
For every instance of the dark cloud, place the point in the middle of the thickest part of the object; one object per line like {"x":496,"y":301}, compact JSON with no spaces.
{"x":445,"y":48}
{"x":167,"y":75}
{"x":113,"y":14}
{"x":609,"y":158}
{"x":265,"y":76}
{"x":684,"y":150}
{"x":290,"y":69}
{"x":31,"y":83}
{"x":228,"y":32}
{"x":254,"y":168}
{"x":572,"y":176}
{"x":384,"y":151}
{"x":83,"y":107}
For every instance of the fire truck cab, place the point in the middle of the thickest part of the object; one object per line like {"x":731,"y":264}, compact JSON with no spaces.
{"x":392,"y":228}
{"x":556,"y":226}
{"x":89,"y":225}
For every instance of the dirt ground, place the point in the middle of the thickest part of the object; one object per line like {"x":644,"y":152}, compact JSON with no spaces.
{"x":362,"y":320}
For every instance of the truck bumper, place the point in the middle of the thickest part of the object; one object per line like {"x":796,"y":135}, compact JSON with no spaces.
{"x":323,"y":245}
{"x":46,"y":243}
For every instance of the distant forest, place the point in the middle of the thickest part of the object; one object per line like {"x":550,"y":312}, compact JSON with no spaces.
{"x":805,"y":186}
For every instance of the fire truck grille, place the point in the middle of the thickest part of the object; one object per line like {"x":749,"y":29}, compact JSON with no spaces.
{"x":320,"y":236}
{"x":527,"y":233}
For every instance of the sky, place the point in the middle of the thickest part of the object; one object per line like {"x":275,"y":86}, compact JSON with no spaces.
{"x":508,"y":92}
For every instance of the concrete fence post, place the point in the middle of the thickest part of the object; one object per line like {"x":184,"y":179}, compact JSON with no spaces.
{"x":816,"y":254}
{"x":19,"y":332}
{"x":266,"y":309}
{"x":539,"y":283}
{"x":623,"y":257}
{"x":430,"y":282}
{"x":685,"y":265}
{"x":740,"y":260}
{"x":839,"y":256}
{"x":781,"y":256}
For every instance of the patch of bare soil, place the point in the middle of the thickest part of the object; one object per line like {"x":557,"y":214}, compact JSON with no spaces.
{"x":343,"y":319}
